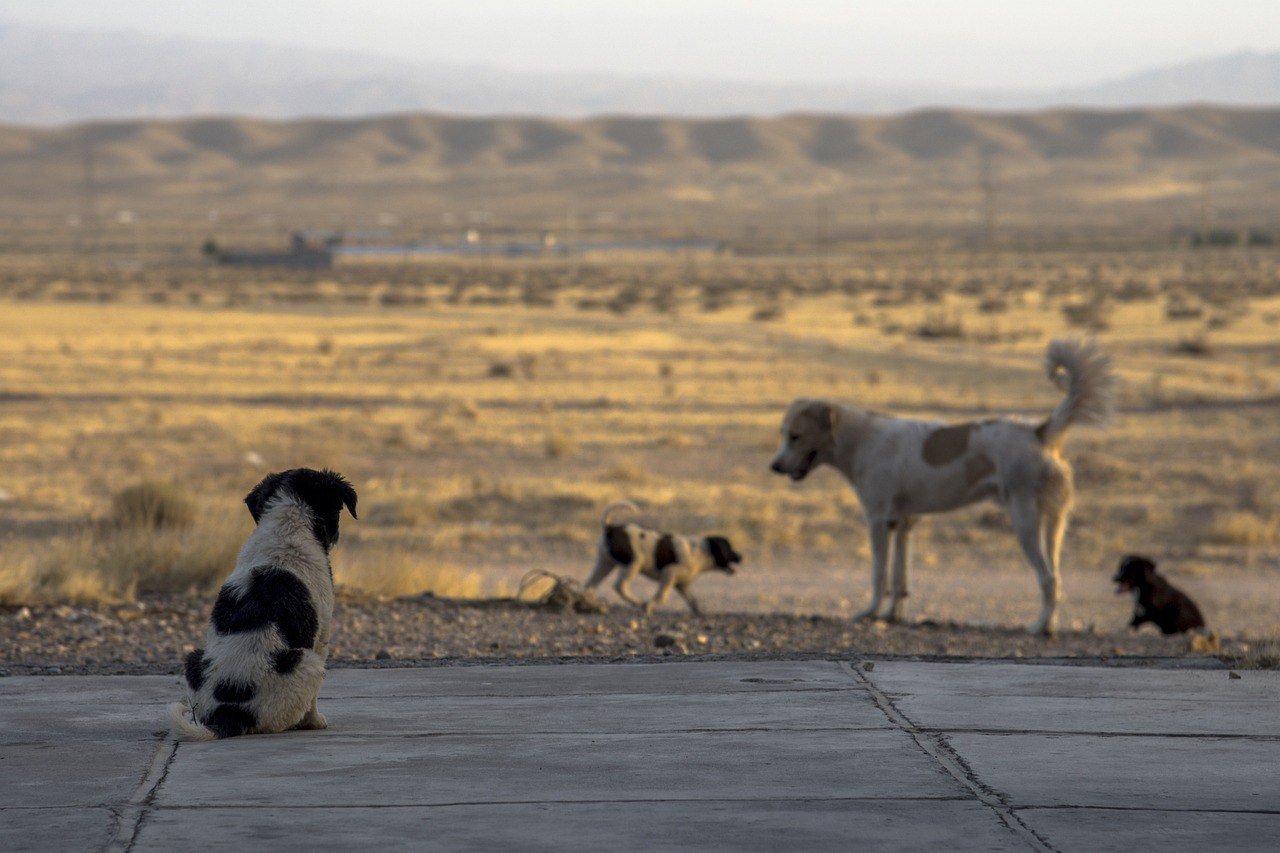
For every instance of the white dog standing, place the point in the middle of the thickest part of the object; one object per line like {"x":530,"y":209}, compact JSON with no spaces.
{"x":268,"y":637}
{"x":903,"y":468}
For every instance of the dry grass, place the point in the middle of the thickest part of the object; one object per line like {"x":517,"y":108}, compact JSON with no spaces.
{"x":470,"y":477}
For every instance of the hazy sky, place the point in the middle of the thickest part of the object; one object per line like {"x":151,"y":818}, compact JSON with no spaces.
{"x":965,"y":43}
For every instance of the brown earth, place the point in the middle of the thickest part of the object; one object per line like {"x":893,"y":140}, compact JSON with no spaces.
{"x":154,"y":634}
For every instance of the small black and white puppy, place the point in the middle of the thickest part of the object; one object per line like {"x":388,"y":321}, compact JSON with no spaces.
{"x":673,"y":561}
{"x":268,"y":637}
{"x":1155,"y":600}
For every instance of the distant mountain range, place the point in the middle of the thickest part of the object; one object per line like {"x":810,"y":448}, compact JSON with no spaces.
{"x":51,"y":76}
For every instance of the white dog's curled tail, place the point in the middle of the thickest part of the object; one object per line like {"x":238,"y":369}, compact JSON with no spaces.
{"x":184,"y":728}
{"x":1083,"y":371}
{"x":604,"y":516}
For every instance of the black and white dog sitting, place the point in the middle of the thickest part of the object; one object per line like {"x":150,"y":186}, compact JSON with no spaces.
{"x":268,"y":637}
{"x":673,"y":561}
{"x":1155,"y":600}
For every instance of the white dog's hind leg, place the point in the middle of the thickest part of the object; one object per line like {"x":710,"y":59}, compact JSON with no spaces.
{"x":901,"y":559}
{"x":879,"y":564}
{"x":1025,"y":515}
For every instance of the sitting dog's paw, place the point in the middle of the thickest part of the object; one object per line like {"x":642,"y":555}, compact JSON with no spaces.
{"x":314,"y":722}
{"x":862,"y":615}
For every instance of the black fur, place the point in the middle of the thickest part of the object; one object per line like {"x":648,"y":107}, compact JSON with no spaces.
{"x":619,"y":544}
{"x":664,"y":553}
{"x":194,"y":669}
{"x":722,"y":552}
{"x":324,"y":492}
{"x":286,"y":661}
{"x":273,"y":596}
{"x":1159,"y":601}
{"x":234,"y":691}
{"x":230,"y":720}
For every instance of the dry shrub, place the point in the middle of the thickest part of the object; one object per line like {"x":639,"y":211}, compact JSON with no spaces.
{"x":557,"y":445}
{"x":117,"y":564}
{"x":393,"y":573}
{"x":151,"y":505}
{"x":625,"y":471}
{"x":1237,"y":527}
{"x":942,"y":326}
{"x":1196,"y":346}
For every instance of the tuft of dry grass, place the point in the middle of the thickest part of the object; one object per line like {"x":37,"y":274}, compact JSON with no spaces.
{"x":117,"y":563}
{"x":1240,"y":527}
{"x":393,"y":572}
{"x":151,"y":505}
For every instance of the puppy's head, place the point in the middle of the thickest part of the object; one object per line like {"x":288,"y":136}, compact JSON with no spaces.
{"x":1135,"y":572}
{"x":325,"y":493}
{"x":808,"y":436}
{"x":726,"y":559}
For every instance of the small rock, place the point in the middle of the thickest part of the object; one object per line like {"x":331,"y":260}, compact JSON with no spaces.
{"x":1232,"y":674}
{"x":703,"y":638}
{"x":663,"y":641}
{"x":868,"y":666}
{"x":382,"y":654}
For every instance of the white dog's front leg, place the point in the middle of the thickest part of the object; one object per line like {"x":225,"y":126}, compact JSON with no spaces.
{"x":879,"y":530}
{"x":901,"y":559}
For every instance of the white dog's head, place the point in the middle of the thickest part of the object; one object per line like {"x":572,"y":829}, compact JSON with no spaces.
{"x":323,"y":492}
{"x":808,"y":438}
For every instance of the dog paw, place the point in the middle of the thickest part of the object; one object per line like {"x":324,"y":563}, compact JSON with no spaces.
{"x":314,"y":722}
{"x":863,"y":615}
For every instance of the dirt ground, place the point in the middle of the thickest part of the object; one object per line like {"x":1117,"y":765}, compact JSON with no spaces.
{"x":153,"y":634}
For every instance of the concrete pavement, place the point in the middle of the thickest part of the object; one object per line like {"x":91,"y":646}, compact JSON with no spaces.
{"x":809,"y":755}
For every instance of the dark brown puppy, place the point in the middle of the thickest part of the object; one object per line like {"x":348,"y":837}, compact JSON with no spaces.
{"x":1156,"y":600}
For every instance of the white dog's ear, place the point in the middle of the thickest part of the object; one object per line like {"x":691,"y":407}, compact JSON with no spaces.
{"x":824,"y":413}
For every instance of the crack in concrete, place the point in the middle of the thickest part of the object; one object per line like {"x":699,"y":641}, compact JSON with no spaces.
{"x":135,"y":810}
{"x":936,"y":746}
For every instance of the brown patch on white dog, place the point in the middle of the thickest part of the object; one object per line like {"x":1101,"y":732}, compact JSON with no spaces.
{"x":946,"y":445}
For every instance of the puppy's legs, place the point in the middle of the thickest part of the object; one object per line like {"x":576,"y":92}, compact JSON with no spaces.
{"x":604,"y":565}
{"x":664,"y":590}
{"x":623,"y":584}
{"x":901,"y":558}
{"x":1025,"y":515}
{"x":879,"y":530}
{"x":683,"y":589}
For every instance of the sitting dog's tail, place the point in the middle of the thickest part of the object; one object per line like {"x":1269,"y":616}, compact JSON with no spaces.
{"x":184,"y":728}
{"x":1083,"y":371}
{"x":604,"y":516}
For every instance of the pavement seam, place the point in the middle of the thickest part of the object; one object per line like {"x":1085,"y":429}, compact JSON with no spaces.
{"x":134,"y":812}
{"x":935,"y":745}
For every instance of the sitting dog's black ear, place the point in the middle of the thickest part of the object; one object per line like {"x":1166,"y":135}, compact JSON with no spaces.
{"x":1138,"y":563}
{"x":326,"y":493}
{"x":722,"y":552}
{"x":257,"y":499}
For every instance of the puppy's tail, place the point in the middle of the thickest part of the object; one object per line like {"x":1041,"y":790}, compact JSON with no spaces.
{"x":1083,"y":371}
{"x":604,"y":516}
{"x":184,"y":728}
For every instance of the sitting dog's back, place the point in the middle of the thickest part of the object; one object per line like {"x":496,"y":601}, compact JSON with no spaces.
{"x":268,"y":635}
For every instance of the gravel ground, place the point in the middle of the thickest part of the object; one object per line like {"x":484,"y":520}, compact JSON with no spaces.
{"x":153,"y":635}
